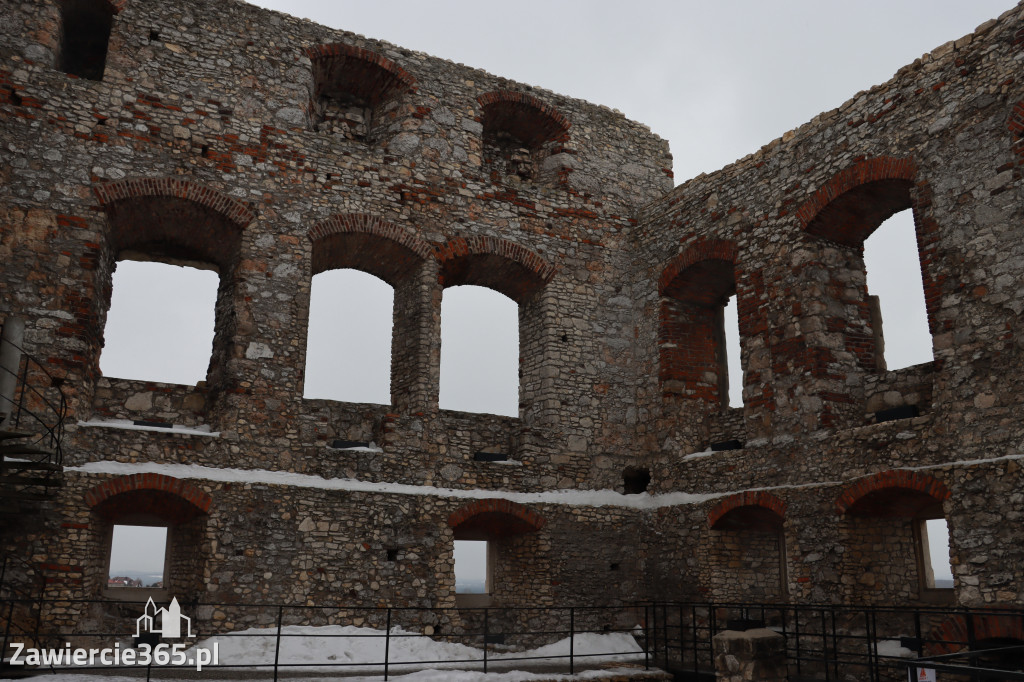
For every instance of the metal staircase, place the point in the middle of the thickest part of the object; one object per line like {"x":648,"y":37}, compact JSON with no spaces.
{"x":32,"y":413}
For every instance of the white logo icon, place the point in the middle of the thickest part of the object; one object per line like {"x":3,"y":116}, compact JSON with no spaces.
{"x":170,"y":620}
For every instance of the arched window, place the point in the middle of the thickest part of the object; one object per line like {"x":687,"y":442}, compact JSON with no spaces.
{"x":520,"y":134}
{"x":357,"y":92}
{"x":348,"y":350}
{"x":176,"y":222}
{"x":160,"y":324}
{"x":479,"y":351}
{"x":85,"y":33}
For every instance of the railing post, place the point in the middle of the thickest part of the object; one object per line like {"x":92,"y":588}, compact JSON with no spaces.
{"x":486,"y":610}
{"x":693,"y":636}
{"x":572,"y":638}
{"x":277,"y":642}
{"x":387,"y":642}
{"x":647,"y":639}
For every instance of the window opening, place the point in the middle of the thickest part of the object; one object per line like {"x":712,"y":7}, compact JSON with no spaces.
{"x":479,"y":351}
{"x":137,"y":557}
{"x":635,"y":480}
{"x":935,"y":541}
{"x":160,"y":324}
{"x":472,"y":574}
{"x":894,"y":276}
{"x":348,"y":349}
{"x":733,"y":366}
{"x":85,"y":33}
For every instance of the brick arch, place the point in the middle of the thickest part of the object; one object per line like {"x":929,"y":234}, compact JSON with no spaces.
{"x":704,"y":251}
{"x":924,"y":491}
{"x":857,"y":199}
{"x":173,"y":218}
{"x":952,"y":634}
{"x":495,"y":263}
{"x":358,"y":71}
{"x":766,"y":509}
{"x":368,"y":243}
{"x":159,"y":495}
{"x":523,"y":116}
{"x":495,"y":518}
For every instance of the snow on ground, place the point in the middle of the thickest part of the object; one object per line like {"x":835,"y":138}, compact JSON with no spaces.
{"x":323,"y":647}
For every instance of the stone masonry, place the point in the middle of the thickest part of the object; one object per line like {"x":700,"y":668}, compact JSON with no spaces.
{"x":215,"y":134}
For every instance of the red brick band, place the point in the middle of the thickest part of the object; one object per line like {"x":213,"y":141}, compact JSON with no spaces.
{"x":496,"y":506}
{"x":759,"y":498}
{"x":110,"y":193}
{"x":860,"y":173}
{"x":528,"y":118}
{"x":350,"y":223}
{"x":901,"y":478}
{"x":703,"y":250}
{"x":175,"y":486}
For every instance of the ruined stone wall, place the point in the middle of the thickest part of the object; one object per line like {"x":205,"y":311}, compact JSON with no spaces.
{"x":270,"y":149}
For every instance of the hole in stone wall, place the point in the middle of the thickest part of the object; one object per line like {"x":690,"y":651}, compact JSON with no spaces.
{"x":137,"y":556}
{"x":471,"y":567}
{"x":479,"y":351}
{"x":154,"y":35}
{"x":935,"y":538}
{"x":392,"y":555}
{"x":732,"y":353}
{"x":635,"y":480}
{"x":348,"y":349}
{"x":85,"y":32}
{"x":894,"y":276}
{"x":160,"y":324}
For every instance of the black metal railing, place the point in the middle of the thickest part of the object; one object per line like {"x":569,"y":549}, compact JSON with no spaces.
{"x":828,"y":642}
{"x":543,"y":639}
{"x":39,"y":408}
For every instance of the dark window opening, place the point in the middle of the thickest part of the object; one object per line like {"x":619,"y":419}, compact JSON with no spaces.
{"x":635,"y":480}
{"x":85,"y":34}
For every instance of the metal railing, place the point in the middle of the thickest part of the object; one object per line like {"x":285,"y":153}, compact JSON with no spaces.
{"x":22,"y":590}
{"x":828,"y":642}
{"x":542,"y":639}
{"x":38,"y":408}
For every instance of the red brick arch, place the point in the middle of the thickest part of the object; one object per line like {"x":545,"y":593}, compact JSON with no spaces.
{"x":699,"y":252}
{"x":523,"y":116}
{"x":895,"y":481}
{"x":776,"y":506}
{"x":366,"y":242}
{"x":110,"y":193}
{"x":360,"y":71}
{"x":496,"y":518}
{"x":848,"y":207}
{"x":156,"y":494}
{"x":491,"y":262}
{"x":952,"y":634}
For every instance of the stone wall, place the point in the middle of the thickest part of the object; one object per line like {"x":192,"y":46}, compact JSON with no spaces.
{"x":270,"y":149}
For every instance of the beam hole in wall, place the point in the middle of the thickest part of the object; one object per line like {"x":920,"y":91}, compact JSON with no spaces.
{"x":894,"y":276}
{"x":348,"y":348}
{"x":635,"y":480}
{"x":160,"y":326}
{"x":479,"y":351}
{"x":85,"y":33}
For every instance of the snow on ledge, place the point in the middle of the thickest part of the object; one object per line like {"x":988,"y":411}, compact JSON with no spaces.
{"x":585,"y":498}
{"x":128,"y":425}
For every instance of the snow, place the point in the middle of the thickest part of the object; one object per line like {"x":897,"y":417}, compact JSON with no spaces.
{"x":128,"y":425}
{"x":698,"y":455}
{"x":893,"y":648}
{"x":591,"y":498}
{"x":320,"y":648}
